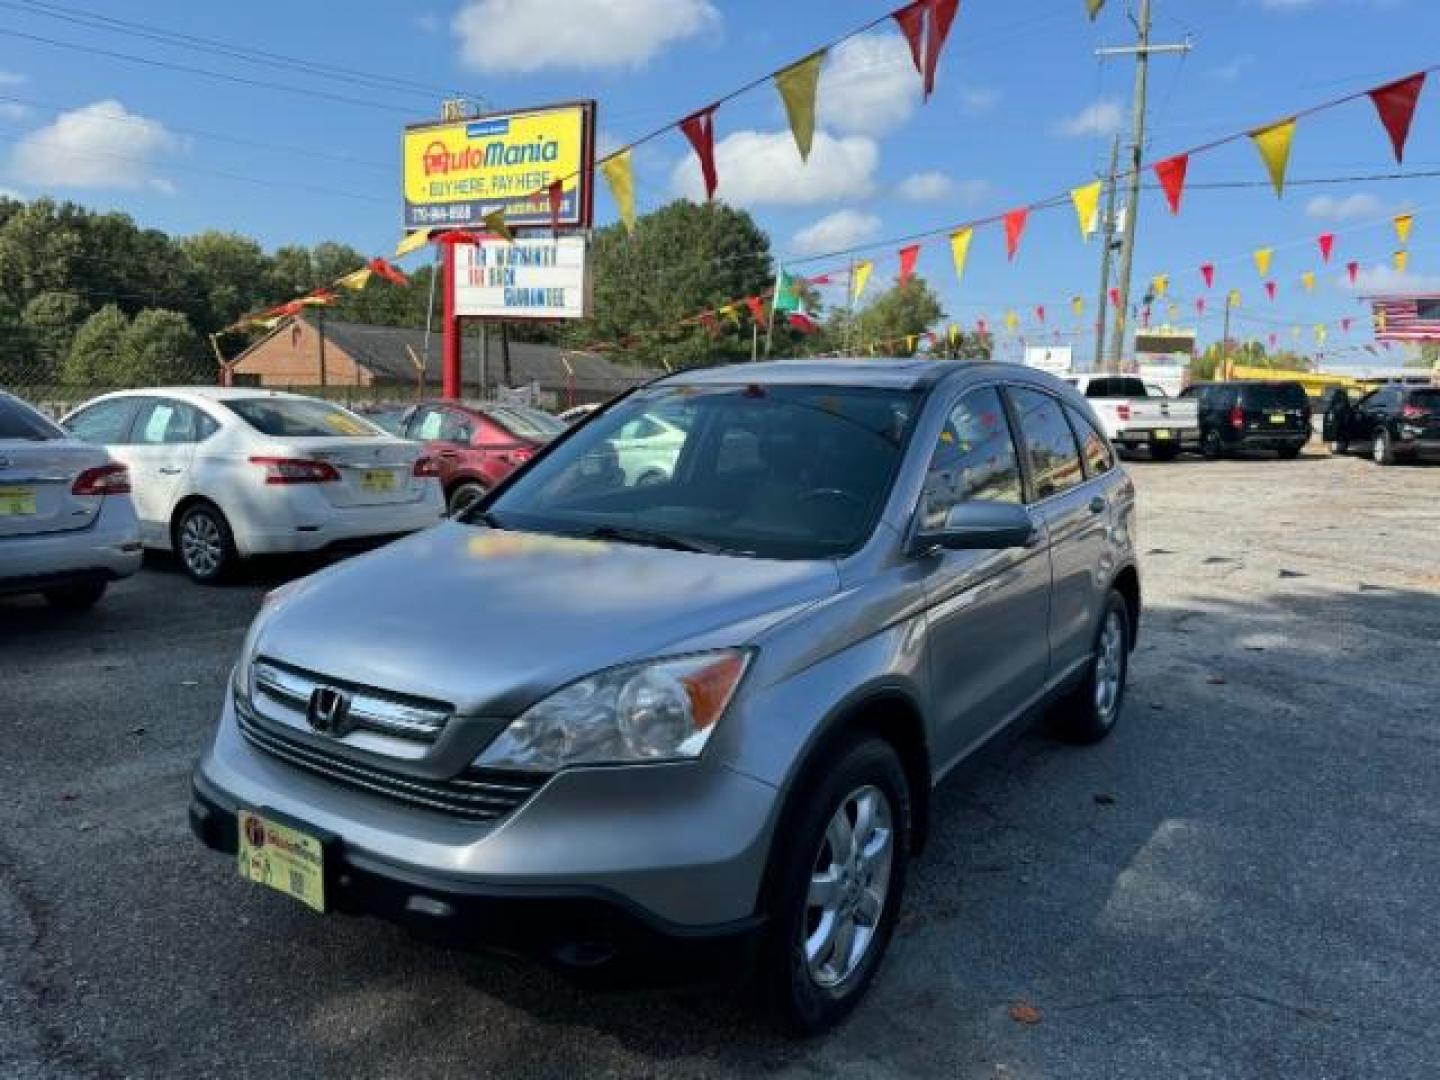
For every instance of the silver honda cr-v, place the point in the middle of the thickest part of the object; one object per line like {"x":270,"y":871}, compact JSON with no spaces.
{"x":694,"y":701}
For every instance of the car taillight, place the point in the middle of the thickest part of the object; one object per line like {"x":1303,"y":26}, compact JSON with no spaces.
{"x":279,"y":470}
{"x":1122,"y":411}
{"x":1237,"y":417}
{"x":426,"y":467}
{"x":520,"y":455}
{"x":1414,"y":412}
{"x":102,"y":480}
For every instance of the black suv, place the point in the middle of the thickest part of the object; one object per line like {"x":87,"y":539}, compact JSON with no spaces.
{"x":1394,"y":423}
{"x":1251,"y":416}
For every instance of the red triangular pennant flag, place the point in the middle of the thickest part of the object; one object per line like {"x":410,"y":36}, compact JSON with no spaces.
{"x":823,"y":279}
{"x":1014,"y":227}
{"x":1274,"y":338}
{"x":1270,"y":289}
{"x":1345,"y":324}
{"x":757,"y":308}
{"x":711,"y":324}
{"x":1395,"y":102}
{"x":1040,"y":312}
{"x":1200,"y":306}
{"x":1208,"y":273}
{"x":1353,"y":269}
{"x":1114,"y":297}
{"x":556,"y":191}
{"x":1171,"y":174}
{"x":980,"y":326}
{"x":699,"y":128}
{"x":912,"y":24}
{"x":942,"y":16}
{"x":1327,"y":245}
{"x":908,"y":255}
{"x":802,"y":322}
{"x":389,"y":273}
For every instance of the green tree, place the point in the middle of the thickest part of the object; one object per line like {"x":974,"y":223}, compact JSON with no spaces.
{"x":232,"y":271}
{"x":161,"y":347}
{"x":886,"y":321}
{"x":49,"y":321}
{"x":97,"y":351}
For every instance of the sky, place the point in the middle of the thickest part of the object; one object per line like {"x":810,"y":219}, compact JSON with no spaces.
{"x":188,"y":140}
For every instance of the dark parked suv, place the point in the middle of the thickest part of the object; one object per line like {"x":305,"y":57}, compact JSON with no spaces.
{"x":1394,"y":423}
{"x":1238,"y":416}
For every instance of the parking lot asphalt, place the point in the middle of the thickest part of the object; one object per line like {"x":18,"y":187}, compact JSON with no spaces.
{"x":1242,"y":882}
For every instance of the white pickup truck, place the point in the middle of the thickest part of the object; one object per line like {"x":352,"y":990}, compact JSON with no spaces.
{"x":1134,"y":418}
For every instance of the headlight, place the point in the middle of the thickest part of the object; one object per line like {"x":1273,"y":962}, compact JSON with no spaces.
{"x":663,"y":710}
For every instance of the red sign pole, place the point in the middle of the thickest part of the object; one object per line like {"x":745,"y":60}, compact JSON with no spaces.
{"x":450,"y":331}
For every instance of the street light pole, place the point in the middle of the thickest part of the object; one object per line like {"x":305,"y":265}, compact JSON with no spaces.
{"x":1141,"y":51}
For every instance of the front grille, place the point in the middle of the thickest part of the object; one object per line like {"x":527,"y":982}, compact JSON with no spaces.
{"x":283,"y":693}
{"x":475,"y":795}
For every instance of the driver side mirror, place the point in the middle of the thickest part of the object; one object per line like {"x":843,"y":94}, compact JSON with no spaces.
{"x":980,"y":525}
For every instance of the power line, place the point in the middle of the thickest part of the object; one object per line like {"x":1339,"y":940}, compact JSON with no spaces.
{"x":245,"y":54}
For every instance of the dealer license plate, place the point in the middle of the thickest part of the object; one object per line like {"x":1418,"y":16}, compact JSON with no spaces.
{"x":377,"y":480}
{"x":1277,"y":418}
{"x":284,"y":858}
{"x":1162,"y":433}
{"x":16,"y":500}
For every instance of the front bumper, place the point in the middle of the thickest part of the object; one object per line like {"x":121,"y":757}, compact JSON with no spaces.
{"x":685,"y":846}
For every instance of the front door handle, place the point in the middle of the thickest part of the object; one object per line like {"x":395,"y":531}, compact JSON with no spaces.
{"x":170,"y":470}
{"x":1097,"y":505}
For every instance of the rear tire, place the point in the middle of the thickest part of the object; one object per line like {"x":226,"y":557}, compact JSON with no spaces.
{"x":75,"y":598}
{"x":463,"y":495}
{"x":1383,"y":450}
{"x":1089,"y":713}
{"x":1290,"y":453}
{"x":1211,"y":447}
{"x":839,"y":878}
{"x":205,"y":544}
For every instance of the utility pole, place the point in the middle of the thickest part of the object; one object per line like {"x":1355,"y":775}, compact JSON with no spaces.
{"x":1224,"y":373}
{"x":1107,"y":248}
{"x":1141,"y":50}
{"x":320,"y":318}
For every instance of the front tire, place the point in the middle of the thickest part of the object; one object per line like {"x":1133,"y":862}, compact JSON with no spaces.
{"x":75,"y":598}
{"x":1089,"y":713}
{"x":838,"y":887}
{"x":205,"y":544}
{"x":1383,"y":450}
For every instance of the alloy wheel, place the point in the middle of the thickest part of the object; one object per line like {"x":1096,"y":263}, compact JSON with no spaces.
{"x":849,"y":884}
{"x":201,"y":545}
{"x":1109,"y":667}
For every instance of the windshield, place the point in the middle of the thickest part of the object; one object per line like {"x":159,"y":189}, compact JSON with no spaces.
{"x":526,"y":423}
{"x":1274,"y":396}
{"x":286,"y":418}
{"x":19,"y":421}
{"x":783,"y":472}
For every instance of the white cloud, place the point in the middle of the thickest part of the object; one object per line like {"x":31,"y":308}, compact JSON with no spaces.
{"x":1344,"y":207}
{"x":926,"y":187}
{"x":840,"y":230}
{"x":523,"y":35}
{"x":758,"y":167}
{"x":1231,"y":70}
{"x":96,"y":146}
{"x":12,"y":78}
{"x":1102,"y":118}
{"x":978,"y":99}
{"x":427,"y":22}
{"x":1382,"y":277}
{"x":869,"y":85}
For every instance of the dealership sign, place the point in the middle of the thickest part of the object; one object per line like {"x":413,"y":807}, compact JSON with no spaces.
{"x":456,"y":173}
{"x":526,"y":279}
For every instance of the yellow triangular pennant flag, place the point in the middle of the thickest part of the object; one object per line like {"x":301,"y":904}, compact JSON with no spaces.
{"x":413,"y":242}
{"x":1159,"y":283}
{"x":1077,"y":304}
{"x":495,"y":225}
{"x":797,"y":84}
{"x":960,"y":250}
{"x":356,"y":281}
{"x":910,"y":343}
{"x":1320,"y":333}
{"x":1379,"y":320}
{"x":730,"y":312}
{"x":1402,"y":227}
{"x":1295,"y":333}
{"x":1234,"y":298}
{"x":1087,"y":207}
{"x":1402,"y":260}
{"x":1273,"y":142}
{"x":1307,"y":279}
{"x":1262,"y":260}
{"x":1011,"y":321}
{"x":1094,"y":6}
{"x":621,"y":178}
{"x":859,"y":278}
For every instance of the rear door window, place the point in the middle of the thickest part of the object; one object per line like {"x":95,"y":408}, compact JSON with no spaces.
{"x":1050,"y":447}
{"x":1093,"y":449}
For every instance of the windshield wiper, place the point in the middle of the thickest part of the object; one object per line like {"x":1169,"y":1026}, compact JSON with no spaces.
{"x":625,"y":535}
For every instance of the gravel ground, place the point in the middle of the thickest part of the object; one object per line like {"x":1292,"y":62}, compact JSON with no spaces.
{"x":1241,"y":883}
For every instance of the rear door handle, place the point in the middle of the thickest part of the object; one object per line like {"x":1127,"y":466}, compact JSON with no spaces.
{"x":1097,"y":505}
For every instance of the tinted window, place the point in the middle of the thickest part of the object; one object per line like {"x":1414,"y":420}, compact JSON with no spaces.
{"x":1274,"y":396}
{"x":300,"y":418}
{"x":1425,"y":399}
{"x":786,"y":472}
{"x":975,"y":458}
{"x":1054,"y":458}
{"x":392,"y":420}
{"x":19,"y":421}
{"x":1115,"y":386}
{"x":1093,"y":448}
{"x":106,"y":423}
{"x":527,"y":423}
{"x":445,"y":425}
{"x":162,"y":422}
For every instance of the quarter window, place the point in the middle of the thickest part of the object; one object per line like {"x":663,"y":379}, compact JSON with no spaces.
{"x":1049,"y":443}
{"x":1097,"y":455}
{"x":975,"y":458}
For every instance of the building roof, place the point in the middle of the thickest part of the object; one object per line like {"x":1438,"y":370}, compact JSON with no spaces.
{"x":385,"y":352}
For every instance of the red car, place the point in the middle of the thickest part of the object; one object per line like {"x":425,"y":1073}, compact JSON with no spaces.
{"x":477,"y":446}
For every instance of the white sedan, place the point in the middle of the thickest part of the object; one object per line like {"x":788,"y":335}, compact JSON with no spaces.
{"x":220,"y":474}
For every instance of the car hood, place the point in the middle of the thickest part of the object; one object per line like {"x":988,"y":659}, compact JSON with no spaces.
{"x":491,"y":621}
